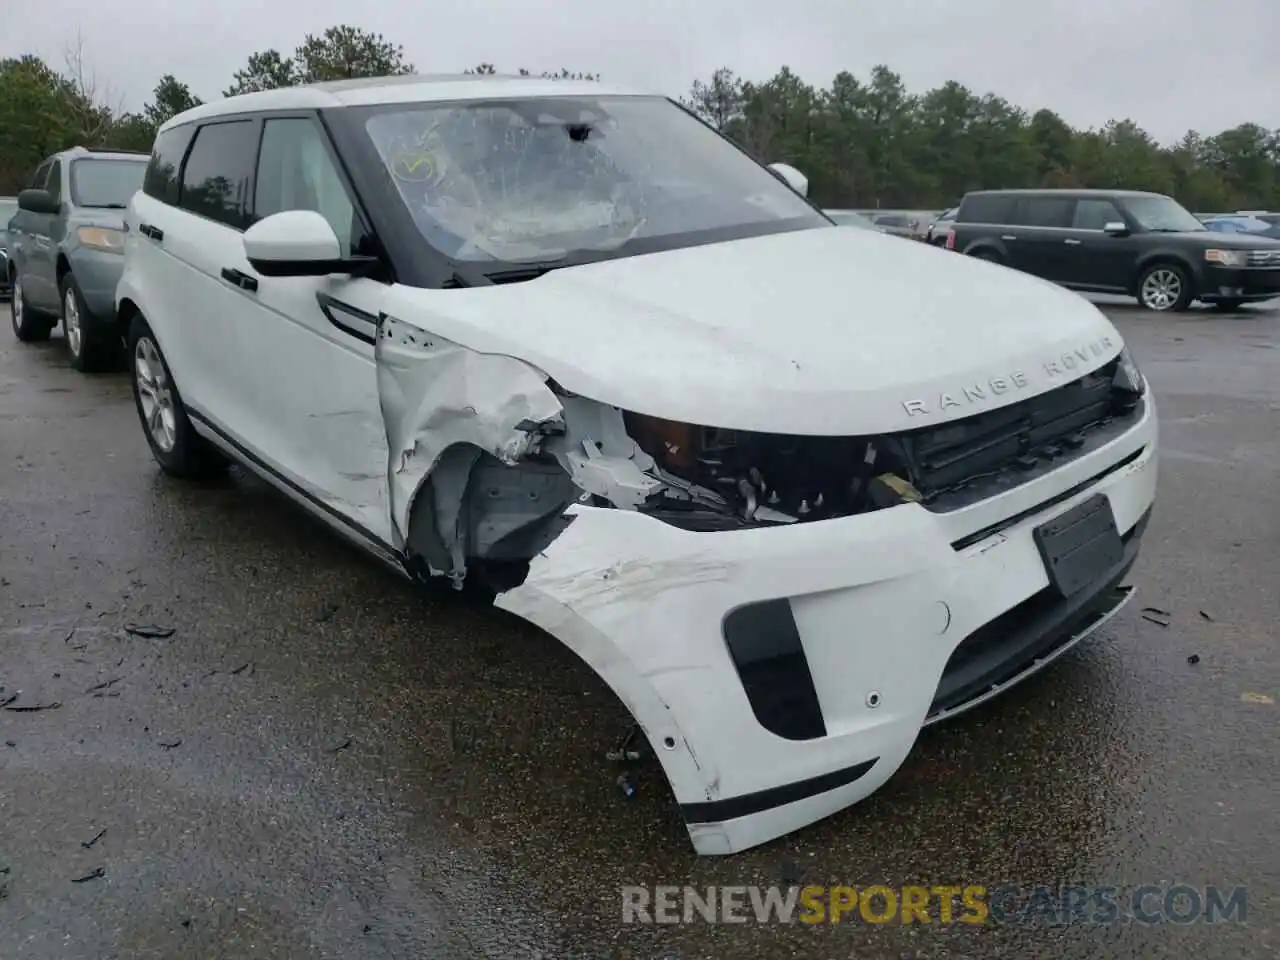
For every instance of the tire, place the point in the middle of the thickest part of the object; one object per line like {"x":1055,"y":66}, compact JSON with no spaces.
{"x":89,"y":347}
{"x":28,"y":326}
{"x":1165,"y":288}
{"x":1227,"y":306}
{"x":180,"y":451}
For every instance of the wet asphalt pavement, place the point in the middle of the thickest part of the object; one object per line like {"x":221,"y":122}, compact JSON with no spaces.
{"x":324,"y":761}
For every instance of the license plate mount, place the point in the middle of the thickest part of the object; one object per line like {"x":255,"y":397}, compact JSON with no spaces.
{"x":1080,"y":545}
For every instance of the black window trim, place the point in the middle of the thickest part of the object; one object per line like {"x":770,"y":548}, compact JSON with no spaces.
{"x":37,"y":181}
{"x":1109,"y":200}
{"x":57,"y":164}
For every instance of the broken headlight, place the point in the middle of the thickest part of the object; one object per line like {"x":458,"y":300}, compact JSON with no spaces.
{"x":1128,"y":379}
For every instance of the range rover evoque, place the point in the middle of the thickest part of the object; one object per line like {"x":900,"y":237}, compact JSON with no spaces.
{"x":563,"y":340}
{"x":1127,"y":242}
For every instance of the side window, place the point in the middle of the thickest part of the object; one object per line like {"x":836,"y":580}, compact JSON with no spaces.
{"x":1094,"y":214}
{"x":296,"y":172}
{"x":987,"y":208}
{"x":219,"y":169}
{"x":40,"y":176}
{"x":1046,"y":212}
{"x":54,"y":183}
{"x":161,"y":179}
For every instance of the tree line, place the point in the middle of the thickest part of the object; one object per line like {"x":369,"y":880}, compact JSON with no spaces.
{"x":862,"y":143}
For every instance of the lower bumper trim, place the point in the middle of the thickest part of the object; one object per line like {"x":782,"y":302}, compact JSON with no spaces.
{"x":717,"y":811}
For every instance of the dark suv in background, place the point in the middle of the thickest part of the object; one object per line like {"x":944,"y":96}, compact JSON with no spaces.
{"x":1144,"y":245}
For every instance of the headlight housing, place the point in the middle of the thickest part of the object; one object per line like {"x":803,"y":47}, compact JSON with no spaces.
{"x":101,"y":238}
{"x":1228,"y":258}
{"x":1128,"y":378}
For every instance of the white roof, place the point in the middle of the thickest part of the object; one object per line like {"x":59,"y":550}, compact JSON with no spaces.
{"x":402,"y":89}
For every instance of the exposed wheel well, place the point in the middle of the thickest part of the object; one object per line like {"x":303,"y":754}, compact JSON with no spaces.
{"x":64,"y":267}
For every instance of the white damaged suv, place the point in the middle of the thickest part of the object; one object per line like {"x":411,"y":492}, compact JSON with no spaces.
{"x":793,"y":491}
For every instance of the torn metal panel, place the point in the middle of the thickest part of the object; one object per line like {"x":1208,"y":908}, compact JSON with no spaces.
{"x":435,"y":395}
{"x":601,"y":457}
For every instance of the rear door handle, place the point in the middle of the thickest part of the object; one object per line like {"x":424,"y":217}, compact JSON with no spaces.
{"x":1008,"y":236}
{"x":155,"y":233}
{"x":240,"y":279}
{"x":1071,"y":243}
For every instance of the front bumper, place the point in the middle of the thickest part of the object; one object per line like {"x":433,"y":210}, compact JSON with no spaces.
{"x":97,"y":274}
{"x":1251,"y":284}
{"x":840,"y":688}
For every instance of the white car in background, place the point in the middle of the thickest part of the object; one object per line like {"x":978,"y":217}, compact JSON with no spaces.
{"x":792,"y":491}
{"x":851,"y":218}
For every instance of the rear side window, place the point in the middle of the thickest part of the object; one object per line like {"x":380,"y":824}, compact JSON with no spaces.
{"x":41,"y":175}
{"x":219,"y":171}
{"x":161,"y":178}
{"x":54,"y":183}
{"x":1095,"y":214}
{"x":1046,"y":212}
{"x":986,"y":208}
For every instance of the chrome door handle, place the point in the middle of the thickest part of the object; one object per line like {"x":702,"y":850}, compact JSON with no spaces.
{"x":1008,"y":236}
{"x":1071,"y":243}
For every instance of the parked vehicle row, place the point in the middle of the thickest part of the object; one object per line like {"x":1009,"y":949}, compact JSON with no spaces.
{"x":66,"y":243}
{"x":793,"y":490}
{"x":1127,"y":242}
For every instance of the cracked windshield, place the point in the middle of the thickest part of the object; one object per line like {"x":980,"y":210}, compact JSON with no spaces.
{"x":537,"y":179}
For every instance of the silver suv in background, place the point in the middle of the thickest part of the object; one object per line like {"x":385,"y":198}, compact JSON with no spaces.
{"x":66,"y":245}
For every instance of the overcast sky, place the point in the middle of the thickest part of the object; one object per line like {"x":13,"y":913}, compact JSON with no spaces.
{"x":1090,"y":60}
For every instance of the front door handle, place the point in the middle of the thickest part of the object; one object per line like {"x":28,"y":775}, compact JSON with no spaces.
{"x":1071,"y":242}
{"x":155,"y":233}
{"x":1008,"y":236}
{"x":240,"y":279}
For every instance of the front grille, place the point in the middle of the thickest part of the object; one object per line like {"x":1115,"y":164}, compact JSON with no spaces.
{"x":1264,"y":258}
{"x":1023,"y":436}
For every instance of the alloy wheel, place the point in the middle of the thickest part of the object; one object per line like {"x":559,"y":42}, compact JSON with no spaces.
{"x":155,"y":394}
{"x":1161,"y":289}
{"x":71,"y":322}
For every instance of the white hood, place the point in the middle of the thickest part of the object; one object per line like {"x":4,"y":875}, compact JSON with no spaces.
{"x":826,"y":331}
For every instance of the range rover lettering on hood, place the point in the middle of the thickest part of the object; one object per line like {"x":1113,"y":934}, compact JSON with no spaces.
{"x":976,"y":393}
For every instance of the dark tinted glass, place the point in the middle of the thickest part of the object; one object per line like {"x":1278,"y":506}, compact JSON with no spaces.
{"x":161,"y":178}
{"x":1095,"y":214}
{"x":1046,"y":212}
{"x":219,"y":169}
{"x":987,"y":208}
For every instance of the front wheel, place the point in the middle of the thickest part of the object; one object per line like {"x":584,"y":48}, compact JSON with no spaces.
{"x":180,"y":451}
{"x":28,"y":327}
{"x":88,"y":347}
{"x":1164,"y":287}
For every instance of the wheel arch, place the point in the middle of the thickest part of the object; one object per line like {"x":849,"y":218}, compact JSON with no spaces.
{"x":1166,"y":257}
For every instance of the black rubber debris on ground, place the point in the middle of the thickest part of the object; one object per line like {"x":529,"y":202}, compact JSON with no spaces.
{"x":1157,"y":611}
{"x":88,"y":844}
{"x":242,"y":668}
{"x":1193,"y":659}
{"x":149,"y":631}
{"x":30,"y":707}
{"x":1156,"y":620}
{"x":341,"y":746}
{"x":97,"y":873}
{"x":104,"y":684}
{"x":1206,"y":616}
{"x":170,"y":744}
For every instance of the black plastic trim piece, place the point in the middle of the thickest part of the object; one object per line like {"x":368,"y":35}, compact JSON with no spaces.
{"x":764,"y":644}
{"x":716,"y":811}
{"x":350,"y":320}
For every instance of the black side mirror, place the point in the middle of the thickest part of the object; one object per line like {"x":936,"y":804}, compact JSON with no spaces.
{"x":37,"y":201}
